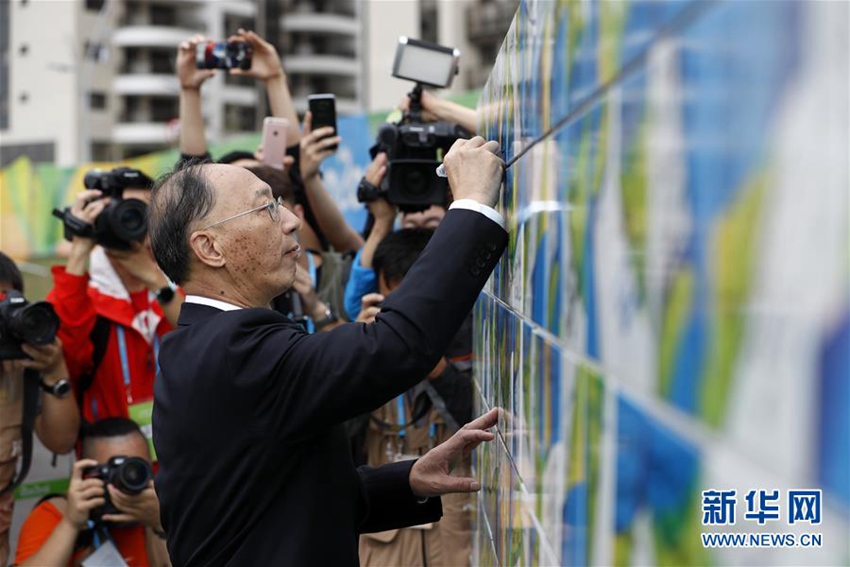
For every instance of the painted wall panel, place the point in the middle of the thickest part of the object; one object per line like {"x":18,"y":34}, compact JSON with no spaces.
{"x":672,"y":314}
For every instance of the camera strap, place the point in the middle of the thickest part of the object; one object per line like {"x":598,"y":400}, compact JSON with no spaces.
{"x":31,"y":392}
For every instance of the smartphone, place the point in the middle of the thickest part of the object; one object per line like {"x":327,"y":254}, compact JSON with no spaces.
{"x":323,"y":109}
{"x":223,"y":55}
{"x":274,"y":141}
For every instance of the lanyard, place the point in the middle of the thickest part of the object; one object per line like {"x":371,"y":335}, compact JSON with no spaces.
{"x":125,"y":359}
{"x":400,"y":416}
{"x":311,"y":269}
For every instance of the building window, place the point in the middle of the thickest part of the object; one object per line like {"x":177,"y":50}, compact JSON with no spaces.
{"x":97,"y":101}
{"x":164,"y":109}
{"x":95,"y":5}
{"x":161,"y":62}
{"x":163,"y":15}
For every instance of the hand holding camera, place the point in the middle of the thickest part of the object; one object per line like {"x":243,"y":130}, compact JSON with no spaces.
{"x":263,"y":60}
{"x":113,"y":221}
{"x":24,"y":322}
{"x":191,"y":77}
{"x":127,"y":488}
{"x":48,"y":359}
{"x":84,"y":495}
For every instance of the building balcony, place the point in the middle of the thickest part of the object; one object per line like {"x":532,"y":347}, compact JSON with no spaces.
{"x":321,"y":65}
{"x":140,"y":133}
{"x":151,"y":36}
{"x":319,"y":23}
{"x":146,"y":84}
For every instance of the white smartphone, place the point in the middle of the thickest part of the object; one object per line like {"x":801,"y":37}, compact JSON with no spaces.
{"x":274,"y":141}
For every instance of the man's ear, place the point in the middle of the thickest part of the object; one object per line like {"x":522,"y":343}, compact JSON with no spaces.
{"x":206,"y":249}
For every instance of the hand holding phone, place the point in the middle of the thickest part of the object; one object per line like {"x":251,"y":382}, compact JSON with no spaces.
{"x":274,"y":141}
{"x":323,"y":109}
{"x":223,"y":55}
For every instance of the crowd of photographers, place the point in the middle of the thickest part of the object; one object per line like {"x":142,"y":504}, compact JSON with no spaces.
{"x":78,"y":370}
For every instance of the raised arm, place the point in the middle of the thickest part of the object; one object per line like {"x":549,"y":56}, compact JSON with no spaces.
{"x":193,"y":142}
{"x":435,"y":108}
{"x":365,"y":365}
{"x":315,"y":148}
{"x":266,"y":67}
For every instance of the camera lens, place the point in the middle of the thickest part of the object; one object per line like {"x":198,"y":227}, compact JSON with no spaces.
{"x":128,"y":220}
{"x":416,"y":182}
{"x":133,"y":475}
{"x":36,"y":323}
{"x":132,"y":219}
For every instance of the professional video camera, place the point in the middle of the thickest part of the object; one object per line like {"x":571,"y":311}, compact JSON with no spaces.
{"x":123,"y":221}
{"x":23,"y":322}
{"x":130,"y":475}
{"x":415,"y":148}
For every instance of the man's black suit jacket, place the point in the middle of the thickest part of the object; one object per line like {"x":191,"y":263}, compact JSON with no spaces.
{"x":254,"y":464}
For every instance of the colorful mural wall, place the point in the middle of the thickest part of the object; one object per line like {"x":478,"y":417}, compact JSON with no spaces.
{"x":672,"y":315}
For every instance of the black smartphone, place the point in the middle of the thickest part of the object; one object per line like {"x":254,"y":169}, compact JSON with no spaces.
{"x":323,"y":109}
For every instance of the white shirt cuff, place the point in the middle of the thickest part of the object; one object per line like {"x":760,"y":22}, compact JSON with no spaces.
{"x":488,"y":212}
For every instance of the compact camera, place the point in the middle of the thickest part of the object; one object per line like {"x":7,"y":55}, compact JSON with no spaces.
{"x":130,"y":475}
{"x":123,"y":221}
{"x":24,"y":322}
{"x":223,"y":55}
{"x":415,"y":148}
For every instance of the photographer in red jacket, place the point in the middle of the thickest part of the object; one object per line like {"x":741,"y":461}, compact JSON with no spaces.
{"x":113,"y":301}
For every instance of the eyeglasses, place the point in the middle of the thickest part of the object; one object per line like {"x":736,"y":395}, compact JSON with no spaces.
{"x":273,"y":207}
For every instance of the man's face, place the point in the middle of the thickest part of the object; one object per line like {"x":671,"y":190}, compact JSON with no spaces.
{"x":260,"y":253}
{"x":429,"y":218}
{"x":102,"y":449}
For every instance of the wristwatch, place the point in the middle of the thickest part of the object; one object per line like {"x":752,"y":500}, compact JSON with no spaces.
{"x":166,"y":294}
{"x":60,"y":389}
{"x":326,"y":320}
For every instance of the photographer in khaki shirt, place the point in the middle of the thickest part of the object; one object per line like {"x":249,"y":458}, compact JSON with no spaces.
{"x":58,"y":421}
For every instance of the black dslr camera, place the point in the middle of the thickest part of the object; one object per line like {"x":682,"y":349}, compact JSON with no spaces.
{"x":123,"y":221}
{"x":23,"y":322}
{"x":414,"y":148}
{"x":130,"y":475}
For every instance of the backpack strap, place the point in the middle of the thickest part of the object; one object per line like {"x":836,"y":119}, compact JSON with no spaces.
{"x":100,"y":340}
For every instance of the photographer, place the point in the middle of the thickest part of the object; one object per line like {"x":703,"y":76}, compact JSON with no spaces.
{"x":96,"y":516}
{"x":57,"y":422}
{"x":421,"y":418}
{"x":302,"y":162}
{"x":113,"y":314}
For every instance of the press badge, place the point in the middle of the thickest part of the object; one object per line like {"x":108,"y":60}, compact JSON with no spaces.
{"x":142,"y":414}
{"x":107,"y":555}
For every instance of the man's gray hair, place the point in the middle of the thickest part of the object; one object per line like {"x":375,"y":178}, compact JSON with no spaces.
{"x":178,"y":200}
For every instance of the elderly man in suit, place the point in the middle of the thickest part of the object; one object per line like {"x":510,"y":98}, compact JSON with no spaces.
{"x":254,"y":462}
